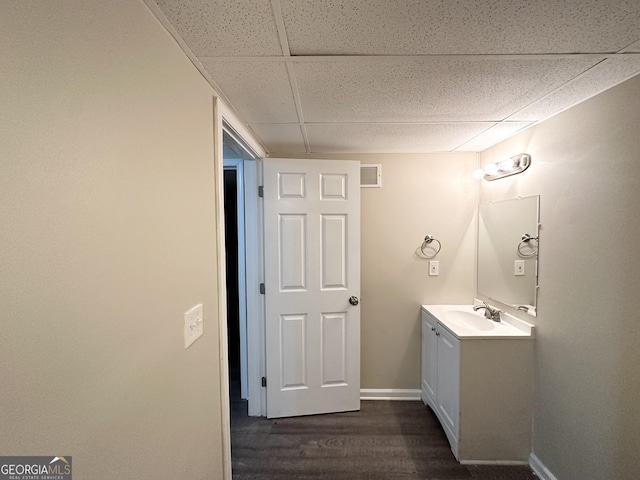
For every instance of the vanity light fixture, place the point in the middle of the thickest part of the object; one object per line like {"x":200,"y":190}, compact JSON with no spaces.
{"x":504,"y":168}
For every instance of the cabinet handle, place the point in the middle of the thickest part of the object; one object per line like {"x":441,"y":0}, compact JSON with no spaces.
{"x":438,"y":334}
{"x":433,"y":329}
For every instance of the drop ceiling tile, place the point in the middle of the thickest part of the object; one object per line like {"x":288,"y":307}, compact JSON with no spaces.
{"x":601,"y":77}
{"x":280,"y":138}
{"x":259,"y":91}
{"x":491,"y":136}
{"x":459,"y":26}
{"x":224,"y":28}
{"x":428,"y":89}
{"x":390,"y":138}
{"x":635,"y":47}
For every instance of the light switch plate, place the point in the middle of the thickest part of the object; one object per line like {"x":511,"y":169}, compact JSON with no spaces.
{"x":518,"y":268}
{"x":434,"y":268}
{"x":193,"y":325}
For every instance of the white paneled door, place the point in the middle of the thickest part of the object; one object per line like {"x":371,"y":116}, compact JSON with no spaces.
{"x":312,"y":277}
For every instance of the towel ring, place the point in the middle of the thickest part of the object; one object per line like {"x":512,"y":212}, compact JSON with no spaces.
{"x":427,"y":241}
{"x":526,"y":238}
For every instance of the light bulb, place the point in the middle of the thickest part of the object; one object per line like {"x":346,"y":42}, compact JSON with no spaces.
{"x":507,"y":165}
{"x":491,"y":169}
{"x":478,"y":173}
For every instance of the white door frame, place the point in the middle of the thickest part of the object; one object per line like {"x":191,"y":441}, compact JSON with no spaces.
{"x":254,"y":253}
{"x":223,"y":360}
{"x":222,"y":114}
{"x":250,"y":275}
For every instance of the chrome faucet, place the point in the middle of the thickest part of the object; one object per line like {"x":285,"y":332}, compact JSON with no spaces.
{"x":489,"y":312}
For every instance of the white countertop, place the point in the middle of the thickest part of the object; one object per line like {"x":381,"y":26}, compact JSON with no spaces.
{"x":463,"y":322}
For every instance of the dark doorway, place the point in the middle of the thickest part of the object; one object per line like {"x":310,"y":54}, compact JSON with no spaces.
{"x":231,"y":250}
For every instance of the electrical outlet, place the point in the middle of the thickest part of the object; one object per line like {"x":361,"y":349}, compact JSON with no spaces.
{"x":434,"y":268}
{"x":518,"y":268}
{"x":193,"y":325}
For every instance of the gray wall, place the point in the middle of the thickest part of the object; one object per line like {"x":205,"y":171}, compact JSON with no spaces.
{"x":586,"y":168}
{"x":108,"y":235}
{"x":420,"y":195}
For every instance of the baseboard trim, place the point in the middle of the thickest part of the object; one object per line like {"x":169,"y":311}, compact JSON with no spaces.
{"x":494,"y":462}
{"x":389,"y":394}
{"x":539,"y":468}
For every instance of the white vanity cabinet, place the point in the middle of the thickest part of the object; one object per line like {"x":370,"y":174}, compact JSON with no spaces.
{"x":429,"y":366}
{"x":440,"y":374}
{"x":481,"y":389}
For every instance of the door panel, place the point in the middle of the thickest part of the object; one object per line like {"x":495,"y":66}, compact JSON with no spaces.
{"x":429,"y":359}
{"x":292,"y":255}
{"x":334,"y":260}
{"x":334,"y":349}
{"x":293,"y":340}
{"x":448,"y":380}
{"x":312,"y":268}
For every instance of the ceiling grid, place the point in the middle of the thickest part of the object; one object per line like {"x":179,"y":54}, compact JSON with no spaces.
{"x":405,"y":76}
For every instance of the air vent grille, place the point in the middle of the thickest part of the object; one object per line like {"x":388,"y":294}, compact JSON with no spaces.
{"x":370,"y":175}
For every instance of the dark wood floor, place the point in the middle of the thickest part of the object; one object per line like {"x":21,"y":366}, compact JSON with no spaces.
{"x":383,"y":441}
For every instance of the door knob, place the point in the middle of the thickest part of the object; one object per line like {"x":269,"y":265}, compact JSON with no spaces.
{"x":354,"y":300}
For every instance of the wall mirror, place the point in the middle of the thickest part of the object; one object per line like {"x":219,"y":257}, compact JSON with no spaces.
{"x":508,"y":252}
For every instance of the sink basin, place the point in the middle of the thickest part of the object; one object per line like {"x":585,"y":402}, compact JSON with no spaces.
{"x":472,"y":320}
{"x":464,"y":322}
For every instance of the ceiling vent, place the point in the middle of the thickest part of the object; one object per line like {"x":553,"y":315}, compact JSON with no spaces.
{"x":371,"y":175}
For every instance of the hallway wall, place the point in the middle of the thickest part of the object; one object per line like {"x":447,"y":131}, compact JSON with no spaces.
{"x":108,"y":235}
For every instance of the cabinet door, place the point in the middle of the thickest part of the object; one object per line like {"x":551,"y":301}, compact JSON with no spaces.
{"x":448,"y":379}
{"x":429,"y":360}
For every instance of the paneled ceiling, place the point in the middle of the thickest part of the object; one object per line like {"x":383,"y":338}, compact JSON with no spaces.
{"x":403,"y":76}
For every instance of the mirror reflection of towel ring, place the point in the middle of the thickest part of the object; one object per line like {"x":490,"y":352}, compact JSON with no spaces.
{"x":526,"y":238}
{"x":428,"y":240}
